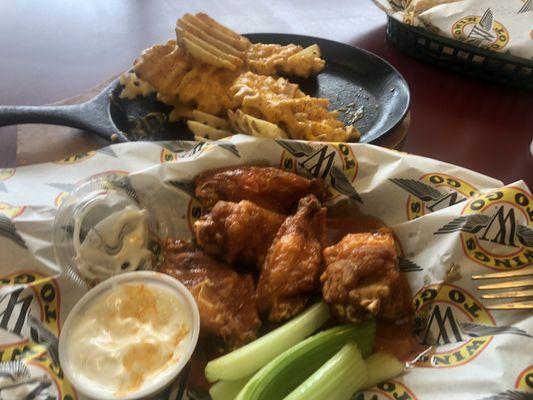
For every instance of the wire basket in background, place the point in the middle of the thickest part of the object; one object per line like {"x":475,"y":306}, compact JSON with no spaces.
{"x":460,"y":57}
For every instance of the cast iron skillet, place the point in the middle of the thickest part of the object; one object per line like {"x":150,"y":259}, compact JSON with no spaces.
{"x":353,"y":77}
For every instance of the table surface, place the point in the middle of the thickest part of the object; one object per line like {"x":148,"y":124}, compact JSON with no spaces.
{"x":53,"y":50}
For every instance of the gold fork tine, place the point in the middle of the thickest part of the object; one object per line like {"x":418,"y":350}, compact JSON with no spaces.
{"x":507,"y":285}
{"x":525,"y":291}
{"x":510,"y":295}
{"x":507,"y":274}
{"x":524,"y":305}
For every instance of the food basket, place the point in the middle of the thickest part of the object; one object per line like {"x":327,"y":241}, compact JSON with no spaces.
{"x":460,"y":57}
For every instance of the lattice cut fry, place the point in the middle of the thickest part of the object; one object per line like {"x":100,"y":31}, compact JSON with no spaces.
{"x":211,"y":43}
{"x":207,"y":53}
{"x":206,"y":37}
{"x":207,"y":132}
{"x":271,"y":59}
{"x":244,"y":123}
{"x":133,"y":86}
{"x":163,"y":67}
{"x":306,"y":62}
{"x":208,"y":126}
{"x":221,"y":32}
{"x":211,"y":120}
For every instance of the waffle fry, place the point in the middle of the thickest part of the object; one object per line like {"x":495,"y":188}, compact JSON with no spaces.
{"x":244,"y":123}
{"x":133,"y":86}
{"x":305,"y":63}
{"x":206,"y":37}
{"x":207,"y":53}
{"x":207,"y":87}
{"x":271,"y":59}
{"x":211,"y":72}
{"x":275,"y":100}
{"x":211,"y":43}
{"x":163,"y":67}
{"x":208,"y":126}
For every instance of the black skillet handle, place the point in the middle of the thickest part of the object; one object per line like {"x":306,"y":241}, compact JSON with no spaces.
{"x":54,"y":115}
{"x":82,"y":116}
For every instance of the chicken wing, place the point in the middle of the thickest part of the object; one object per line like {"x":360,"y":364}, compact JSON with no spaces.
{"x":362,"y":277}
{"x":292,"y":266}
{"x":226,"y":300}
{"x":238,"y":232}
{"x":268,"y":187}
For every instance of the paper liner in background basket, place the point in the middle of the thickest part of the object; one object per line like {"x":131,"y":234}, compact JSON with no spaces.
{"x":476,"y":353}
{"x":486,"y":39}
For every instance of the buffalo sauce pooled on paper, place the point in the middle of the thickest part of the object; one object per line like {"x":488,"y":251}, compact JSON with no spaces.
{"x":395,"y":337}
{"x":127,"y":336}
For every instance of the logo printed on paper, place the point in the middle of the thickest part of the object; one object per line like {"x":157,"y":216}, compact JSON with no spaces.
{"x":6,"y":173}
{"x":167,"y":156}
{"x":333,"y":162}
{"x":445,"y":314}
{"x":29,"y":318}
{"x":433,"y":192}
{"x":482,"y":31}
{"x":76,"y":158}
{"x":391,"y":390}
{"x":525,"y":380}
{"x":11,"y":211}
{"x":171,"y":151}
{"x":496,"y":229}
{"x":109,"y":175}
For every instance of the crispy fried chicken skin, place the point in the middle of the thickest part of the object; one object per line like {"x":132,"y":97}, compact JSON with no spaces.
{"x":238,"y":233}
{"x":362,"y":277}
{"x":292,"y":266}
{"x":226,"y":300}
{"x":268,"y":187}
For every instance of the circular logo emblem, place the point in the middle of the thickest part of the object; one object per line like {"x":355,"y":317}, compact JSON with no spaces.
{"x":447,"y":317}
{"x":6,"y":173}
{"x":11,"y":211}
{"x":391,"y":390}
{"x":525,"y":380}
{"x":483,"y":31}
{"x":496,"y":229}
{"x":76,"y":158}
{"x":433,"y":192}
{"x":167,"y":156}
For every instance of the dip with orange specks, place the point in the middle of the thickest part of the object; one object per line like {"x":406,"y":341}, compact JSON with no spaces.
{"x":127,"y":336}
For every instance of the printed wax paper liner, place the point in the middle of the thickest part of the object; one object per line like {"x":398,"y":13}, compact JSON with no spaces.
{"x":502,"y":26}
{"x":451,"y":222}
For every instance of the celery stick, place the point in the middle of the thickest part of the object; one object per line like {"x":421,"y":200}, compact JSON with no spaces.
{"x":339,"y":378}
{"x":227,"y":390}
{"x":381,"y":367}
{"x":251,"y":357}
{"x":283,"y":374}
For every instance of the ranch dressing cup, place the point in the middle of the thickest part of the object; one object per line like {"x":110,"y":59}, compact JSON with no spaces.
{"x":129,"y":337}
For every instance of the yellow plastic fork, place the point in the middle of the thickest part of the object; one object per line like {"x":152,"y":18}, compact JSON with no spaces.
{"x":523,"y":296}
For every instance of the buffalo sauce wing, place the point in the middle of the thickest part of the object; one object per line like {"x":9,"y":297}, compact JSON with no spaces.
{"x":238,"y":233}
{"x":362,"y":277}
{"x":290,"y":273}
{"x":268,"y":187}
{"x":226,"y":300}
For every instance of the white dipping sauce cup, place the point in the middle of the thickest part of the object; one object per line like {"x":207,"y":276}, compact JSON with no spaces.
{"x":153,"y":384}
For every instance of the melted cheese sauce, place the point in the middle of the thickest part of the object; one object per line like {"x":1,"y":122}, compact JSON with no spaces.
{"x":283,"y":103}
{"x":127,"y":337}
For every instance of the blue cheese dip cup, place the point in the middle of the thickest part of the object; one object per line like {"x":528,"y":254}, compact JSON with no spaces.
{"x":129,"y":337}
